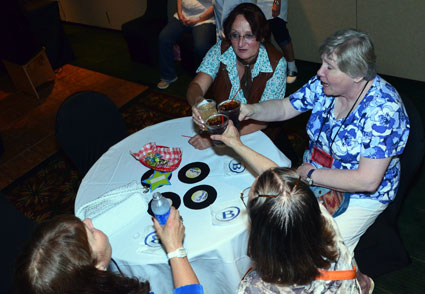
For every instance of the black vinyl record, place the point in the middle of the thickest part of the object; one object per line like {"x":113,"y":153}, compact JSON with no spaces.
{"x":175,"y":201}
{"x":200,"y":197}
{"x":193,"y":172}
{"x":147,"y":175}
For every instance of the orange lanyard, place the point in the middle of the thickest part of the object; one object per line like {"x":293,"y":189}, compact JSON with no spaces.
{"x":337,"y":275}
{"x":326,"y":275}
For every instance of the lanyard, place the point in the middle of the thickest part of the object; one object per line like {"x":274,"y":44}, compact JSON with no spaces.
{"x":343,"y":122}
{"x":326,"y":275}
{"x":337,"y":275}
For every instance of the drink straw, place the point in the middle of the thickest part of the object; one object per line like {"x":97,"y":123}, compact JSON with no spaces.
{"x":187,"y":136}
{"x":236,"y":93}
{"x":222,"y":119}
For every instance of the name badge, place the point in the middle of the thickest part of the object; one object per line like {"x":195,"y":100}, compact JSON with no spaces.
{"x":321,"y":157}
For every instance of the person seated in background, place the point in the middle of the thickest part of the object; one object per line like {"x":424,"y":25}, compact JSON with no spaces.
{"x":244,"y":66}
{"x":222,"y":9}
{"x":67,"y":255}
{"x":357,"y":130}
{"x":194,"y":16}
{"x":293,"y":241}
{"x":276,"y":12}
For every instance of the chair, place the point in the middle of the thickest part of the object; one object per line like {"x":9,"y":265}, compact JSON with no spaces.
{"x":87,"y":124}
{"x":15,"y":230}
{"x":381,"y":250}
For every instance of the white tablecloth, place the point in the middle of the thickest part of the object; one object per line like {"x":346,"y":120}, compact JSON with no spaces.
{"x":216,"y":236}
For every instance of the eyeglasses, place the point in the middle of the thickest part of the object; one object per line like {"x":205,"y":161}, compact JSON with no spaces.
{"x":247,"y":37}
{"x":245,"y":193}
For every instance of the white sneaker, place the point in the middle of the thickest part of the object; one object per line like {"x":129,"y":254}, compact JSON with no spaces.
{"x":163,"y":84}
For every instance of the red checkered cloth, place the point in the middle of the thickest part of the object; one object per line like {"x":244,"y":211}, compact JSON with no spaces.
{"x":172,"y":155}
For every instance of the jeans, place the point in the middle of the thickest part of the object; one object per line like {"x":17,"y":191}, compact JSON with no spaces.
{"x":203,"y":38}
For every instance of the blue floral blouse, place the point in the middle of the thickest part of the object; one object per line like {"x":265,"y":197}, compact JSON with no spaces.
{"x":377,"y":128}
{"x":275,"y":87}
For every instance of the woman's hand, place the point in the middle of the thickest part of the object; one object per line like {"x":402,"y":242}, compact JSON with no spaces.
{"x":196,"y":117}
{"x":303,"y":169}
{"x":230,"y":137}
{"x":192,"y":21}
{"x":246,"y":112}
{"x":172,"y":233}
{"x":200,"y":142}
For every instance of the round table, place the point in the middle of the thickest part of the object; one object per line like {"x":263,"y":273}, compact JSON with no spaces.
{"x":216,"y":236}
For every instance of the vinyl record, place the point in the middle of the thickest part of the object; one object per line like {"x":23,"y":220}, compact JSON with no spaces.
{"x":200,"y":197}
{"x":193,"y":172}
{"x":146,"y":176}
{"x":175,"y":201}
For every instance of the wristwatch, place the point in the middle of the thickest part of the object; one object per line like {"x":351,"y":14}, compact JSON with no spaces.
{"x":181,"y":252}
{"x":308,"y":178}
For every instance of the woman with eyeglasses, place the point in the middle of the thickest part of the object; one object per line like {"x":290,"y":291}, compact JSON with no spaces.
{"x":293,"y":241}
{"x":67,"y":255}
{"x":243,"y":66}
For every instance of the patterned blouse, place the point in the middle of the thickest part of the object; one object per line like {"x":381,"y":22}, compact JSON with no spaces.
{"x":377,"y":128}
{"x":275,"y":87}
{"x":253,"y":284}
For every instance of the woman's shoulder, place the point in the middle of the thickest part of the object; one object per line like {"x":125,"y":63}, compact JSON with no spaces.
{"x":382,"y":98}
{"x":253,"y":284}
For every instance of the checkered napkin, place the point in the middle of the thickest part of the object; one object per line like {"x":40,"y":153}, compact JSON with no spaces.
{"x":172,"y":155}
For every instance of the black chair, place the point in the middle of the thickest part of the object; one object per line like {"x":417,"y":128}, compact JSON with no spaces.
{"x":381,"y":250}
{"x":15,"y":230}
{"x":87,"y":125}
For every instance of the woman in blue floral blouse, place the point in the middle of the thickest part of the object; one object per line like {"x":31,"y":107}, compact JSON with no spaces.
{"x":357,"y":130}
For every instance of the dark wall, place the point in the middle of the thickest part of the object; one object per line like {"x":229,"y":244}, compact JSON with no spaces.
{"x":26,"y":26}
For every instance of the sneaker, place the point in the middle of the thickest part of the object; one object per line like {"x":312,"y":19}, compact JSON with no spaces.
{"x":291,"y":77}
{"x":163,"y":84}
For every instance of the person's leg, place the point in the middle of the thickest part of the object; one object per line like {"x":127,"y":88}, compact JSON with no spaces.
{"x":204,"y":37}
{"x":352,"y":224}
{"x":167,"y":38}
{"x":283,"y":39}
{"x":357,"y":219}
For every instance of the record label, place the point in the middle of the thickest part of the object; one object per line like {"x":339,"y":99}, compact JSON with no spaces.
{"x":193,"y":172}
{"x":199,"y":196}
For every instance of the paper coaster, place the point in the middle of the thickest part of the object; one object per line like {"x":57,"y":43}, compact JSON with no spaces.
{"x":150,"y":183}
{"x":193,"y":172}
{"x":200,"y":197}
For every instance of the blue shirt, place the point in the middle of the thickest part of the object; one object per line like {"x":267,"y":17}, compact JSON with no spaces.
{"x":377,"y":128}
{"x":189,"y":289}
{"x":275,"y":87}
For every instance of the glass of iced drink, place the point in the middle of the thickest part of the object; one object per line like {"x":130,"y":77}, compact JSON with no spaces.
{"x":206,"y":108}
{"x":217,"y":124}
{"x":231,"y":108}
